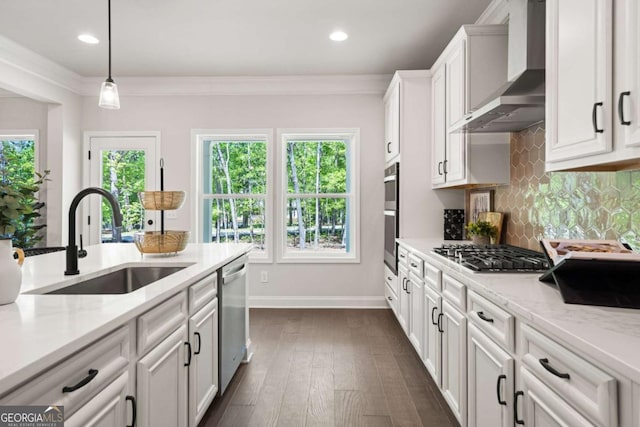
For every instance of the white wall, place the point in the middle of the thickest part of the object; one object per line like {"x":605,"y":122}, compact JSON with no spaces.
{"x":19,"y":113}
{"x":289,"y":284}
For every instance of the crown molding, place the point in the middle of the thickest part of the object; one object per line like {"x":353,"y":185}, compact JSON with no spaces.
{"x":374,"y":84}
{"x":27,"y":61}
{"x":496,"y":13}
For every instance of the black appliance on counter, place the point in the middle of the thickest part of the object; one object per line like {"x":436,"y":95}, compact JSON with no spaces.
{"x":494,"y":258}
{"x":391,"y":215}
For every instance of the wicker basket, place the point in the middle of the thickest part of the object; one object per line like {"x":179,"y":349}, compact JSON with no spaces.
{"x":162,"y":200}
{"x":153,"y":242}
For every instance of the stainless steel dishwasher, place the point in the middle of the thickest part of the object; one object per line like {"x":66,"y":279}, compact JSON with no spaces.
{"x":232,"y":295}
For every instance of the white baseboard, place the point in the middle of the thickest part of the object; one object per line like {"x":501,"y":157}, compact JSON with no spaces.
{"x":317,"y":302}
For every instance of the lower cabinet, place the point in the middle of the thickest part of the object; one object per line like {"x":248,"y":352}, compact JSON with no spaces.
{"x":106,"y":409}
{"x":490,"y":382}
{"x":403,"y":299}
{"x":432,"y":337}
{"x":539,"y":406}
{"x":203,"y":372}
{"x":416,"y":312}
{"x":454,"y":360}
{"x":162,"y":382}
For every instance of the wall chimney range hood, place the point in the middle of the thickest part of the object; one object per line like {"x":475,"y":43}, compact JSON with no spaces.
{"x":519,"y":103}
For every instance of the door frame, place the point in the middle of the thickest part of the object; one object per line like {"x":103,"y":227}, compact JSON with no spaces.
{"x":86,"y":162}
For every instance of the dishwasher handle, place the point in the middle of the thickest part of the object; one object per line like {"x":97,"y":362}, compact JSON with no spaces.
{"x":237,"y":273}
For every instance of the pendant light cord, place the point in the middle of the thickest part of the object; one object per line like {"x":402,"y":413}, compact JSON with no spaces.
{"x":109,"y":20}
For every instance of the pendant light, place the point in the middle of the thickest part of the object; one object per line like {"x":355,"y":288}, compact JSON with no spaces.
{"x":109,"y":91}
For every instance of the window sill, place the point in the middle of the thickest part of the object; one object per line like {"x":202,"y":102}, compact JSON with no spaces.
{"x":310,"y":259}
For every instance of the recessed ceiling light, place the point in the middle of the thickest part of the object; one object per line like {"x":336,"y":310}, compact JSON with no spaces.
{"x":88,"y":38}
{"x":338,"y":36}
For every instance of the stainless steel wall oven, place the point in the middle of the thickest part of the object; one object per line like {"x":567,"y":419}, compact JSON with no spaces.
{"x":391,"y":215}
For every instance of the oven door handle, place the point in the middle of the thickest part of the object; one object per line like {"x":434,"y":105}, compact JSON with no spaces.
{"x":389,"y":212}
{"x":389,"y":178}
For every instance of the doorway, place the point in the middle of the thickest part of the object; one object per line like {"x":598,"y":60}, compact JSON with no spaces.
{"x":123,"y":164}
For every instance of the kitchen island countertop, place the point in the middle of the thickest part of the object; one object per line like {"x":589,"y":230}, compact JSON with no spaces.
{"x":38,"y":330}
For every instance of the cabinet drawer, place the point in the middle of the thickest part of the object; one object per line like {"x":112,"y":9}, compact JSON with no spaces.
{"x":202,"y":292}
{"x":416,"y":265}
{"x":391,"y":298}
{"x":590,"y":390}
{"x":454,"y":292}
{"x":105,"y":409}
{"x":157,"y":323}
{"x":493,"y":320}
{"x":433,"y":277}
{"x":109,"y":357}
{"x":403,"y":256}
{"x":391,"y":280}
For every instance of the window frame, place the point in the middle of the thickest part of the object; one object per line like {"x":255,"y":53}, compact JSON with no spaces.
{"x":198,"y":137}
{"x":352,"y":137}
{"x":26,"y":134}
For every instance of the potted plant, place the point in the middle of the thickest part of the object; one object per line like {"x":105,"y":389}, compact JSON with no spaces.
{"x":481,"y":232}
{"x":19,"y":209}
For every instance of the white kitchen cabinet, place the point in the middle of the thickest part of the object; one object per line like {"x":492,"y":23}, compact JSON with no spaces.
{"x":471,"y":67}
{"x":162,"y":382}
{"x":490,"y":382}
{"x":106,"y":409}
{"x":454,"y":360}
{"x":403,"y":299}
{"x":416,"y":312}
{"x":392,"y":123}
{"x":627,"y":71}
{"x":579,"y":78}
{"x":538,"y":406}
{"x":432,"y":337}
{"x":203,"y":371}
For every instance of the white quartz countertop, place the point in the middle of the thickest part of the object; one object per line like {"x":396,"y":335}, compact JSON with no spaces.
{"x":608,"y":335}
{"x":37,"y":330}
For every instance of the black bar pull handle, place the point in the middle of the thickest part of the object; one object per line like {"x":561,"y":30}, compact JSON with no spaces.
{"x":188,"y":344}
{"x":134,"y":410}
{"x":516,"y":418}
{"x":389,"y":147}
{"x":199,"y":346}
{"x":501,"y":401}
{"x":433,"y":311}
{"x":440,"y":328}
{"x":439,"y":168}
{"x":444,"y":167}
{"x":483,"y":317}
{"x":404,"y":283}
{"x":546,"y":365}
{"x":594,"y":117}
{"x":86,"y":380}
{"x":407,"y":287}
{"x":623,"y":122}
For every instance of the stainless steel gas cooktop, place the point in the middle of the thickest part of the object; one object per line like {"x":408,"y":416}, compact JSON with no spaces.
{"x":494,"y":258}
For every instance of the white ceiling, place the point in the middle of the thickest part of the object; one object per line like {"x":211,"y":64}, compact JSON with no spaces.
{"x":238,"y":37}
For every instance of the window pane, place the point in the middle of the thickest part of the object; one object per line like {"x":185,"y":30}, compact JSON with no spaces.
{"x":317,"y":166}
{"x":235,"y":167}
{"x":235,"y":220}
{"x":318,"y":224}
{"x":123,"y":175}
{"x":17,"y":161}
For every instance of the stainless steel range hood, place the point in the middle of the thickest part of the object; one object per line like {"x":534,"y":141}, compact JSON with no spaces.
{"x":520,"y":102}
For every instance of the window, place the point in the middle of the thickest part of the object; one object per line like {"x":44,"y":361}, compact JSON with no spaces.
{"x":17,"y":156}
{"x":234,"y":182}
{"x":319,"y":204}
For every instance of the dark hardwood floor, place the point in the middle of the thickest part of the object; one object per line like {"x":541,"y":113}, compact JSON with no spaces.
{"x":330,"y":368}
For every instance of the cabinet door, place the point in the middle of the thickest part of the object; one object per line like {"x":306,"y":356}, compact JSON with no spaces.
{"x":456,"y":83}
{"x":627,"y":67}
{"x":544,"y":408}
{"x":438,"y":125}
{"x":454,"y":360}
{"x":579,"y":78}
{"x":392,"y":124}
{"x":203,"y":372}
{"x":162,"y":383}
{"x":403,"y":300}
{"x":490,"y":382}
{"x":106,"y":409}
{"x":432,"y":336}
{"x":416,"y":323}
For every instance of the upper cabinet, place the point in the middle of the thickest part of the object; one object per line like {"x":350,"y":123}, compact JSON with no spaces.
{"x":471,"y":68}
{"x":392,"y":123}
{"x":593,"y":82}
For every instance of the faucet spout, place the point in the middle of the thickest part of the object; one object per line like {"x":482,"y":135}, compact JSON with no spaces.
{"x":72,"y":248}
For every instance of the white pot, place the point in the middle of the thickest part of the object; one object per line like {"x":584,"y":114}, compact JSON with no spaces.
{"x":11,"y":278}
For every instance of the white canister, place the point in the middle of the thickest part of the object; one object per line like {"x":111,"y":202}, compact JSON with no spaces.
{"x":11,"y":278}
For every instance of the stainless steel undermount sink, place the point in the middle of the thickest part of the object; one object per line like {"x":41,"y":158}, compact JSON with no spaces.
{"x":121,"y":281}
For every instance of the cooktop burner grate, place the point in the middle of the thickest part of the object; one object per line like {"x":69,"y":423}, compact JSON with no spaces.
{"x":494,"y":258}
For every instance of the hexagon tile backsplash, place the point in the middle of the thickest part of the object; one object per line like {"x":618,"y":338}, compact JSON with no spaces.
{"x":575,"y":205}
